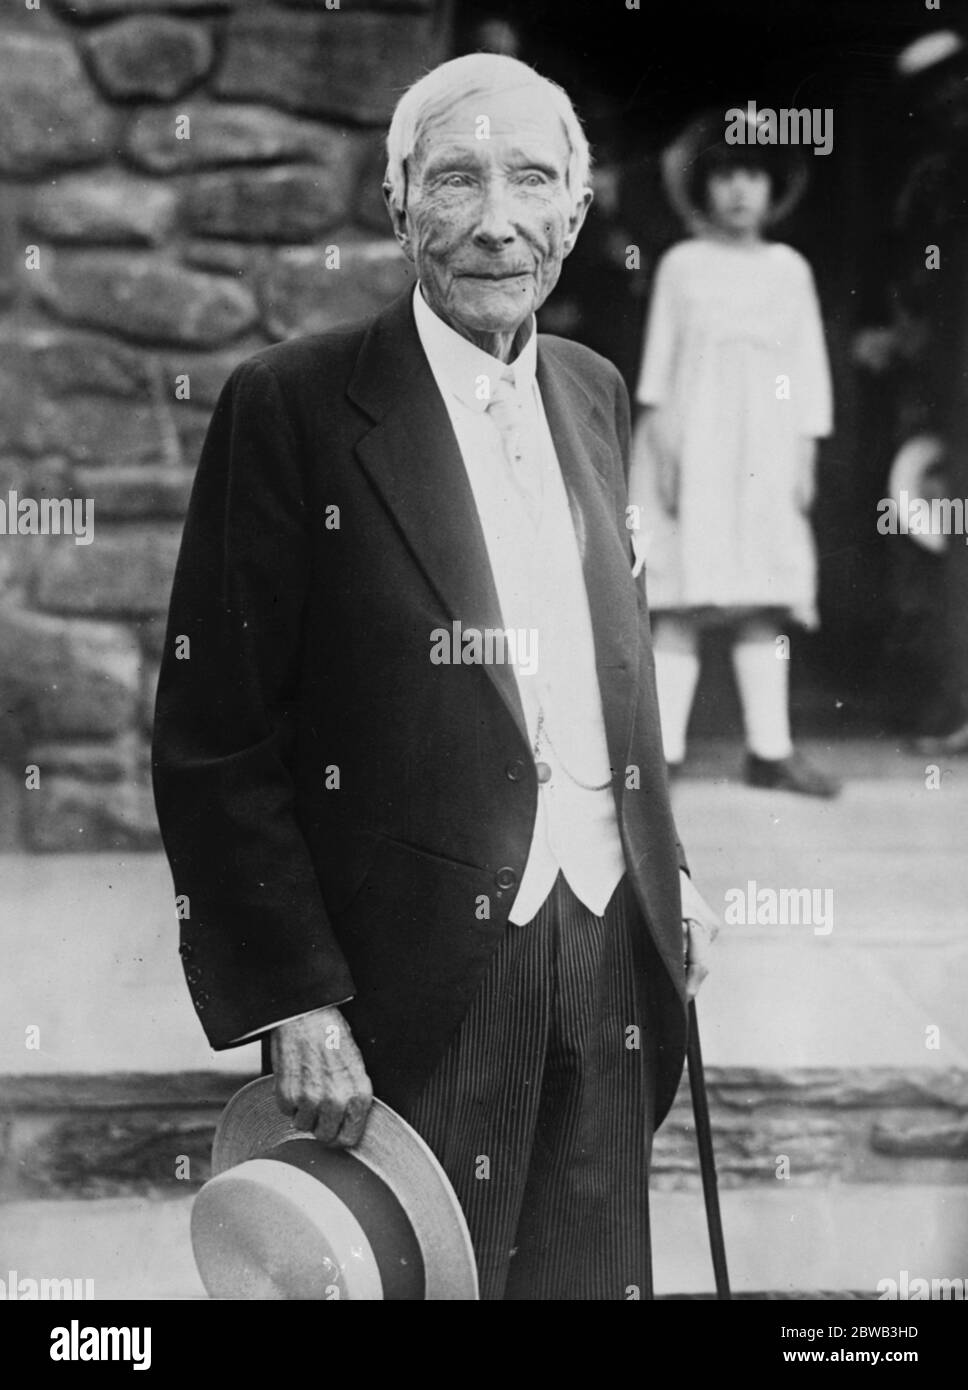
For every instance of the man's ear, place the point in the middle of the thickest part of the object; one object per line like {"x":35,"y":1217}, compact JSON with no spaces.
{"x":398,"y":221}
{"x":576,"y":221}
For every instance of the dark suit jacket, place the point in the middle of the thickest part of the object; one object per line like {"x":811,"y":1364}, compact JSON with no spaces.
{"x":309,"y":660}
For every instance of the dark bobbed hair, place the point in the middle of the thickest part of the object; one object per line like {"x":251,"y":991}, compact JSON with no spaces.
{"x":721,"y":158}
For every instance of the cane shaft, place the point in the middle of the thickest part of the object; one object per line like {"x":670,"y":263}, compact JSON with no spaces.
{"x":707,"y":1160}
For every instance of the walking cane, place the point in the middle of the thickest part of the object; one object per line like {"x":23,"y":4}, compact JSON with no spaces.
{"x":707,"y":1159}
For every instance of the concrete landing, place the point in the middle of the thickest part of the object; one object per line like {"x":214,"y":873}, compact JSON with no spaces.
{"x":92,"y":939}
{"x":889,"y":858}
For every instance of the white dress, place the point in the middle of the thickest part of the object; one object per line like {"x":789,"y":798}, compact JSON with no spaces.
{"x":736,"y":361}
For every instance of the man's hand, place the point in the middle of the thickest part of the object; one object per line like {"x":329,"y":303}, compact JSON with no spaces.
{"x":698,"y":940}
{"x":321,"y":1081}
{"x":700,"y":927}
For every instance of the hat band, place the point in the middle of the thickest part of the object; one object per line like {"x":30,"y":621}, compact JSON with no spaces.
{"x":375,"y":1206}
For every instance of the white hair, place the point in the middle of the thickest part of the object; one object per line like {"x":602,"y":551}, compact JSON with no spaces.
{"x":476,"y":75}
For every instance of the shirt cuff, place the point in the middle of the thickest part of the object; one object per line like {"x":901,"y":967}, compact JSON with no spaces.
{"x":268,"y":1027}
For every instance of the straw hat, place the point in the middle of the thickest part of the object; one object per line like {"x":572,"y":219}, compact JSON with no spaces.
{"x":930,"y":51}
{"x":918,"y":470}
{"x":707,"y":132}
{"x":286,"y":1217}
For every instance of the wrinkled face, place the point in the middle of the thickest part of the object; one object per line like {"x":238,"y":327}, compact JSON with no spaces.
{"x":738,"y":200}
{"x":489,"y":218}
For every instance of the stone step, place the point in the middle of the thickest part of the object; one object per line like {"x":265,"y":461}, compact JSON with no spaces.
{"x":151,"y":1134}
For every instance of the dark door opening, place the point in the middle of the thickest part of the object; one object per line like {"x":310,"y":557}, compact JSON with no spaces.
{"x":635,"y":77}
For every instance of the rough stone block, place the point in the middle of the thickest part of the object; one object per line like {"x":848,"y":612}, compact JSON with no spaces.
{"x":112,"y":1154}
{"x":921,"y":1140}
{"x":84,"y":362}
{"x":207,"y":373}
{"x":67,"y":814}
{"x":135,"y":492}
{"x":91,"y":762}
{"x":143,"y":298}
{"x":83,"y":399}
{"x":288,"y":204}
{"x":11,"y":243}
{"x":127,"y":570}
{"x":858,"y":1087}
{"x":109,"y":208}
{"x":224,"y":133}
{"x":223,"y":257}
{"x":149,"y":56}
{"x":50,"y":115}
{"x":102,"y":9}
{"x":62,"y":678}
{"x":401,"y":5}
{"x":44,"y":477}
{"x":328,"y":63}
{"x":97,"y":430}
{"x":303,"y":292}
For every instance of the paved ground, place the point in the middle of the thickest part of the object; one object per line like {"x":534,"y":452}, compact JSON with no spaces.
{"x":894,"y":963}
{"x":92,"y":939}
{"x":781,"y":1241}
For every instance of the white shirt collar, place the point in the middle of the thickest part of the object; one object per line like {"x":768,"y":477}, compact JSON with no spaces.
{"x":458,"y":364}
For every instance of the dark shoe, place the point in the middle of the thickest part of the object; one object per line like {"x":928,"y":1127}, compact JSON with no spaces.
{"x":940,"y":745}
{"x":793,"y":774}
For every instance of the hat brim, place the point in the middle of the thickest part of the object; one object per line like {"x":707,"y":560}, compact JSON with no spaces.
{"x":916,"y":471}
{"x":702,"y":132}
{"x":252,"y":1123}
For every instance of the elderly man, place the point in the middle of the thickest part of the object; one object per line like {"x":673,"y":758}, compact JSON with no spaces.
{"x":407,"y":755}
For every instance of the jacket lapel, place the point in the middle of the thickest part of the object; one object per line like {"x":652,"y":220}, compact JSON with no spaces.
{"x":412,"y":458}
{"x":588,"y":466}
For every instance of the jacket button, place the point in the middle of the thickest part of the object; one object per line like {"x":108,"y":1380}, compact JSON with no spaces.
{"x":185,"y":950}
{"x":505,"y":878}
{"x":515,"y":770}
{"x":193,"y":974}
{"x":201,"y":999}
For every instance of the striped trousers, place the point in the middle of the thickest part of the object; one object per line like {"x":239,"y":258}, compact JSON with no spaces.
{"x":541,"y":1111}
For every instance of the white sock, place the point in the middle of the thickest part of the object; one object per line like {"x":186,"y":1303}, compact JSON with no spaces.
{"x":763,"y":680}
{"x":676,"y":649}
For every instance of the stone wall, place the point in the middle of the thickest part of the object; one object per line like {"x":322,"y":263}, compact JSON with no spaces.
{"x":181,"y":182}
{"x":151,"y":1135}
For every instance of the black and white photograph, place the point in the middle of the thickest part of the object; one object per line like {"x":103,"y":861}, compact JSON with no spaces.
{"x":484,"y":663}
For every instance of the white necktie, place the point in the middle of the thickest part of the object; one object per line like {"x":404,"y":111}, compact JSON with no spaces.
{"x":513,"y":422}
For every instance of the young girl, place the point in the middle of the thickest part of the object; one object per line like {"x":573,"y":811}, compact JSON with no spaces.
{"x":736,"y":390}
